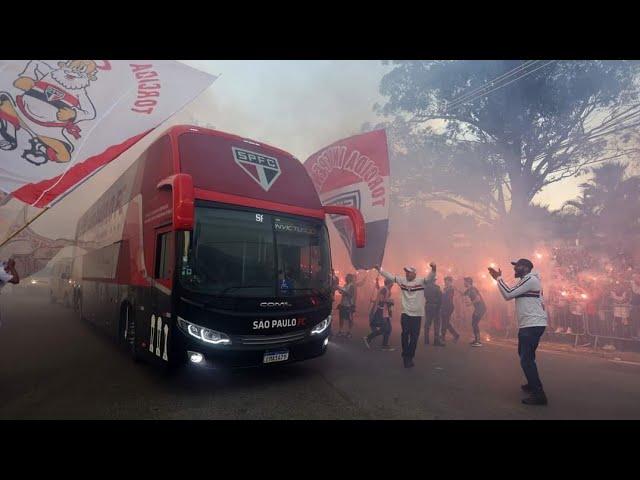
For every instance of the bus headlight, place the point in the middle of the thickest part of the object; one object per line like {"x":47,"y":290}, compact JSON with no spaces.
{"x":322,"y":326}
{"x":203,"y":334}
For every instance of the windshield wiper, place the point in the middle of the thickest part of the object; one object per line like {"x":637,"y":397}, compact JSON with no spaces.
{"x":315,"y":291}
{"x":235,"y":287}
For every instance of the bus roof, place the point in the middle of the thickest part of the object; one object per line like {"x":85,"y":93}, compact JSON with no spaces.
{"x":177,"y":130}
{"x":238,"y":170}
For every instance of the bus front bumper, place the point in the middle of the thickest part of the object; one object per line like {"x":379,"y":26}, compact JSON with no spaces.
{"x":200,"y":355}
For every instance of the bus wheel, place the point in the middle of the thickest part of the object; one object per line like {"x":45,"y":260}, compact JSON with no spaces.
{"x":129,"y":333}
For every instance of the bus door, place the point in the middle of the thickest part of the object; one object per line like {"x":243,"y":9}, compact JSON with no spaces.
{"x":160,"y":299}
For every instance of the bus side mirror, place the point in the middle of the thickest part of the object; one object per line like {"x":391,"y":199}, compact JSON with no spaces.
{"x":356,"y":220}
{"x":181,"y":185}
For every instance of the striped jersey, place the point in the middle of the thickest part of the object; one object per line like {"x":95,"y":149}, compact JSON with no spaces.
{"x":412,"y":292}
{"x":529,"y":300}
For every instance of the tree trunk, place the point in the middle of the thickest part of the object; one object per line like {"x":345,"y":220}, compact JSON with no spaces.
{"x":520,"y":229}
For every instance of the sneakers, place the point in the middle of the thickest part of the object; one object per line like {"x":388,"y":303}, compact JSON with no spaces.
{"x":456,"y":338}
{"x":366,"y":342}
{"x":535,"y":399}
{"x":347,"y":335}
{"x":538,"y":398}
{"x":476,"y":344}
{"x":609,"y":348}
{"x":569,"y":331}
{"x":438,"y":344}
{"x":387,"y":348}
{"x":559,"y":330}
{"x":407,"y":362}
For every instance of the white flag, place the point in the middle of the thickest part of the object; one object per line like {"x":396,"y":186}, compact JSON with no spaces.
{"x":61,"y":120}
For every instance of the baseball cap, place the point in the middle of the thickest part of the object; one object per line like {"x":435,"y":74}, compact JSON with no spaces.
{"x":525,"y":262}
{"x":410,"y":269}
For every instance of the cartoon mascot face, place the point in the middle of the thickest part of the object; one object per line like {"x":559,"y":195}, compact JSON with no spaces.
{"x":51,"y":103}
{"x":75,"y":74}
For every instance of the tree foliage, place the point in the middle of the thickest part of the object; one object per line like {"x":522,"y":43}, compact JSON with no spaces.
{"x":492,"y":151}
{"x":608,"y":208}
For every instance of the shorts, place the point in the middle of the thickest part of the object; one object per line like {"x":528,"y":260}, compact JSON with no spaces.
{"x":345,"y":315}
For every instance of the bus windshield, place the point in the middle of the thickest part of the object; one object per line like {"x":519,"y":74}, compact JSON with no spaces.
{"x":248,"y":254}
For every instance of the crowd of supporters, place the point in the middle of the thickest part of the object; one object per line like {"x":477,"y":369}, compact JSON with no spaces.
{"x":592,"y":297}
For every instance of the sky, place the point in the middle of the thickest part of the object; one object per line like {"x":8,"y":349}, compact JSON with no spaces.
{"x":302,"y":106}
{"x":298,"y":106}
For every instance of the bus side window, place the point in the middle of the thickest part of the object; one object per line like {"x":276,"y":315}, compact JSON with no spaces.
{"x":164,"y":264}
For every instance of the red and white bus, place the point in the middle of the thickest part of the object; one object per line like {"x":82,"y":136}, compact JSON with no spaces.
{"x":211,"y":248}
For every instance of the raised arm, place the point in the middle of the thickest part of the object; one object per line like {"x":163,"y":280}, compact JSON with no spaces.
{"x":432,"y":274}
{"x":387,"y":275}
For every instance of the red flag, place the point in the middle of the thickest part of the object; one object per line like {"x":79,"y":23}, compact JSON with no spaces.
{"x":355,"y":172}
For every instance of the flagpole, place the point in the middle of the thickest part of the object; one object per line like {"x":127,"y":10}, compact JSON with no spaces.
{"x":23,"y":227}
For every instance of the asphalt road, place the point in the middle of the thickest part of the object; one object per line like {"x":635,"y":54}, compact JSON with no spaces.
{"x":52,"y":366}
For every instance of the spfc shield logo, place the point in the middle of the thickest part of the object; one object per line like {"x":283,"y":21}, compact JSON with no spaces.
{"x":263,"y":169}
{"x":53,"y":94}
{"x":342,"y":223}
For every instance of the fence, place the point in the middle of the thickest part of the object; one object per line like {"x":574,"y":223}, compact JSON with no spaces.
{"x":620,"y":322}
{"x":611,"y":323}
{"x":568,"y":319}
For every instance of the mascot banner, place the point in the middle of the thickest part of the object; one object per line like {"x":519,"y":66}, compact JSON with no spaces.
{"x":354,"y":172}
{"x":62,"y":120}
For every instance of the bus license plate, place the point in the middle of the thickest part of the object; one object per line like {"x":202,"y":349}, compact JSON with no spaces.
{"x":279,"y":356}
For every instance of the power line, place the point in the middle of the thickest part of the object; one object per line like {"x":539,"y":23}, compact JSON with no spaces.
{"x":500,"y":86}
{"x":500,"y":78}
{"x":504,"y":84}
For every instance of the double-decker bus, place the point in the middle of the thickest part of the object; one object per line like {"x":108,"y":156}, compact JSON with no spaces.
{"x":210,"y":249}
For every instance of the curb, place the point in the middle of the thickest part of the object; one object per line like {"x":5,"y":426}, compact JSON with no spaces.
{"x":617,"y":357}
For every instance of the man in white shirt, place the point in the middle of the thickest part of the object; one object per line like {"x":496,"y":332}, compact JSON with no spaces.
{"x":532,"y":320}
{"x":411,"y":288}
{"x":8,"y":274}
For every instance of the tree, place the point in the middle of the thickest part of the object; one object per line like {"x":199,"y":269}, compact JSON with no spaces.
{"x":609,"y":205}
{"x":492,"y":151}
